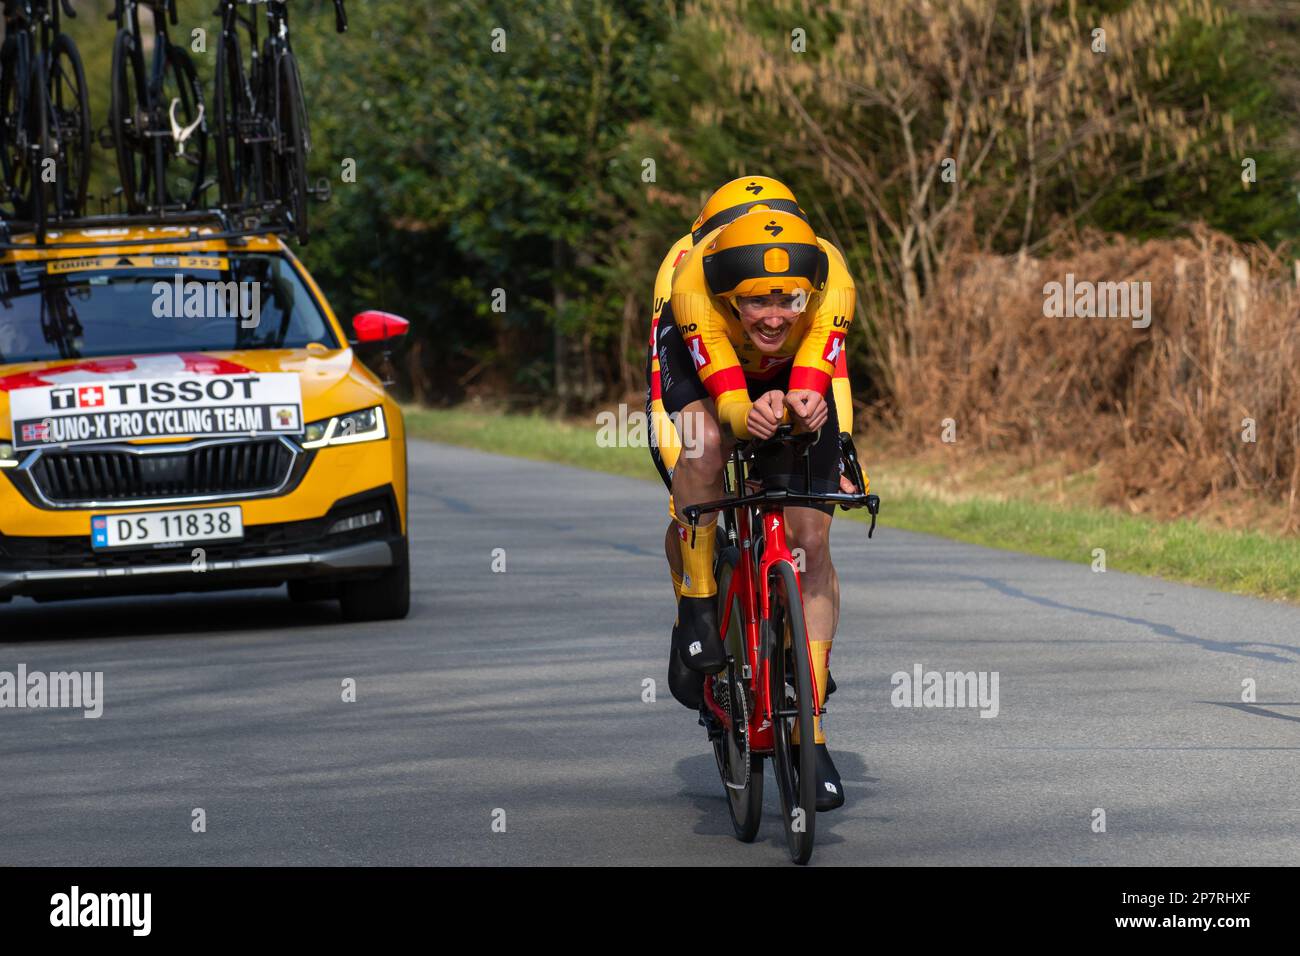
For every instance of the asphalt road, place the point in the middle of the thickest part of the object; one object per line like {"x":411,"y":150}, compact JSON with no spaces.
{"x":517,"y":697}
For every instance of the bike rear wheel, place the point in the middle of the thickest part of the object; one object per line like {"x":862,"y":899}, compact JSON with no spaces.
{"x":796,"y":779}
{"x":127,"y":119}
{"x":69,"y":107}
{"x":235,"y":166}
{"x":741,"y":769}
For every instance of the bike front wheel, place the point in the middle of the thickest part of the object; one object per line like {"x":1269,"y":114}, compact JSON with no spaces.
{"x":793,"y":706}
{"x":40,"y":147}
{"x":291,"y":161}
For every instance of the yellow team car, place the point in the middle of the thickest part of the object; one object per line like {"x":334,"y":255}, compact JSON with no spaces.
{"x":180,"y":410}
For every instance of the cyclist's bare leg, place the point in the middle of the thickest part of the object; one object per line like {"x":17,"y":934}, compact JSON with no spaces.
{"x":809,"y":530}
{"x":697,"y":478}
{"x":673,"y":552}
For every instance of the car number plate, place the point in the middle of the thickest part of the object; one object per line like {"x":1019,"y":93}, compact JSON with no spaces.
{"x":166,"y":527}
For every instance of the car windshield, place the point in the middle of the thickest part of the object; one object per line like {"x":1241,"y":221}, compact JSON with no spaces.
{"x":139,"y":304}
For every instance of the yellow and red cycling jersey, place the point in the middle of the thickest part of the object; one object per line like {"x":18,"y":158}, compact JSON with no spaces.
{"x":666,"y":436}
{"x":665,"y":433}
{"x":725,"y":358}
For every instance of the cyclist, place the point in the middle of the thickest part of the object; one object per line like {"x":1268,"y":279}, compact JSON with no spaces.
{"x":733,"y":199}
{"x":760,"y":310}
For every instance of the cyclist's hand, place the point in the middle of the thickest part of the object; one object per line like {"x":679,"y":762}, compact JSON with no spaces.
{"x":808,"y":407}
{"x":765,"y":414}
{"x":848,"y":488}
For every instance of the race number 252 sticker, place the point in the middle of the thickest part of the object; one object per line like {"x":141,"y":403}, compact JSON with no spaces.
{"x":200,"y":406}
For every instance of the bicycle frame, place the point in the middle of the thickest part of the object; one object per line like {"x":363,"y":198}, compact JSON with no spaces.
{"x":749,"y":589}
{"x":761,"y":549}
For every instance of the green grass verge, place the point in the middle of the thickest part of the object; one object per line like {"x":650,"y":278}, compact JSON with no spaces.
{"x":1239,"y":562}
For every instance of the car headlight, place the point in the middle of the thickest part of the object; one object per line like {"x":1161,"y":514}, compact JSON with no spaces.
{"x":8,"y":456}
{"x":365,"y":425}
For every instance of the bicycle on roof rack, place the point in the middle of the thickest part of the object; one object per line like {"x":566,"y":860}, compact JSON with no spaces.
{"x":44,"y":114}
{"x":156,"y":120}
{"x":262,"y":135}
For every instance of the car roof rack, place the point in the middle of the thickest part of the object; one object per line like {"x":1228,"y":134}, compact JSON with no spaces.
{"x":254,"y":224}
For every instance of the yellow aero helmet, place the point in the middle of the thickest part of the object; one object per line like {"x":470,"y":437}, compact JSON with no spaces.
{"x":739,"y":197}
{"x":765,"y":253}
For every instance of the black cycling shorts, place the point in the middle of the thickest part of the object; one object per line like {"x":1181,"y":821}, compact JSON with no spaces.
{"x":681,"y":385}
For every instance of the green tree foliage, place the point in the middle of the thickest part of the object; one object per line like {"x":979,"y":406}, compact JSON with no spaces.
{"x":527,"y":168}
{"x":483,"y":135}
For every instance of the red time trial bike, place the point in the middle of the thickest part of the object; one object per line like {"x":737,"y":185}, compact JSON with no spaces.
{"x":768,"y":688}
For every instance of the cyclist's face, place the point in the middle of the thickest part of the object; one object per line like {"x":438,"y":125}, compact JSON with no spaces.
{"x":767,"y":319}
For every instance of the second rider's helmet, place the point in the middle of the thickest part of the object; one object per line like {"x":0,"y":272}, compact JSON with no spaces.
{"x":765,"y":253}
{"x":739,"y":197}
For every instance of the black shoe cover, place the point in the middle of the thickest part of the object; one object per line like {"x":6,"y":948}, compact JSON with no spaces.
{"x":830,"y":683}
{"x":698,"y":640}
{"x":830,"y":791}
{"x":687,"y":685}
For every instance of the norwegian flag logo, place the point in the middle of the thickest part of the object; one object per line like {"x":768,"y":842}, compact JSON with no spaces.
{"x":834,"y":345}
{"x":40,"y":431}
{"x":699,"y":354}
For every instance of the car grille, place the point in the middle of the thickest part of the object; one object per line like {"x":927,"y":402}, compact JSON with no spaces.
{"x":244,"y":467}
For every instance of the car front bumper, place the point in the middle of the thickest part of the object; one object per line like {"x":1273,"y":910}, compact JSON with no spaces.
{"x":56,"y":568}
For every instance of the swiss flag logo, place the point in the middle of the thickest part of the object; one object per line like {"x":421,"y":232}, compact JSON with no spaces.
{"x":834,"y":345}
{"x":90,"y":397}
{"x":699,"y":354}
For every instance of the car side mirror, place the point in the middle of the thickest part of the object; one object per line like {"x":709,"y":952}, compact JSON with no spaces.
{"x":375,"y":326}
{"x":372,"y":328}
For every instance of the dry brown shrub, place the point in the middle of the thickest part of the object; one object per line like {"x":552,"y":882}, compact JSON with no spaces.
{"x":1160,"y":410}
